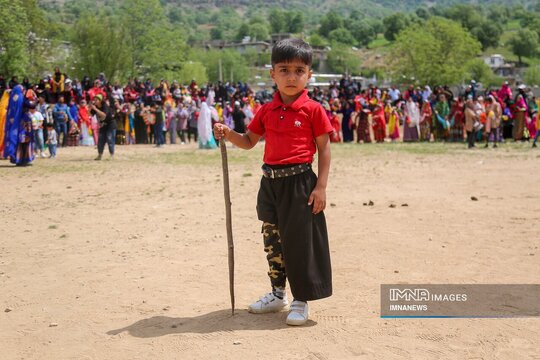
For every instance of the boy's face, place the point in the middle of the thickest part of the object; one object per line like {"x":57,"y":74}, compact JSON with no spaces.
{"x":291,"y":77}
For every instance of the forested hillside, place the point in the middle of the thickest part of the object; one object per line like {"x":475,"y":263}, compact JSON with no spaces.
{"x":166,"y":38}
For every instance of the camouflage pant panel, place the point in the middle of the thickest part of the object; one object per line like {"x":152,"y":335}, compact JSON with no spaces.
{"x":272,"y":247}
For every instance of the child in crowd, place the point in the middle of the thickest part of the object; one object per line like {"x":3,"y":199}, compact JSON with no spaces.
{"x":73,"y":134}
{"x":52,"y":140}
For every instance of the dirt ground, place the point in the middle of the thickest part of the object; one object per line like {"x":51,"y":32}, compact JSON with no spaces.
{"x":127,"y":259}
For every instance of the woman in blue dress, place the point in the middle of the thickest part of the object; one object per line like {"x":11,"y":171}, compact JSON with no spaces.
{"x":19,"y":137}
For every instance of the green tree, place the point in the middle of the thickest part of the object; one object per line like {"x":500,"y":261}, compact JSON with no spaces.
{"x":317,"y":40}
{"x":278,"y":22}
{"x":376,"y":24}
{"x":342,"y":60}
{"x":156,"y":46}
{"x":100,"y":47}
{"x":259,"y":32}
{"x":362,"y":32}
{"x":342,"y":36}
{"x":536,"y":26}
{"x":216,"y":33}
{"x":467,"y":15}
{"x":294,"y":21}
{"x":478,"y":70}
{"x":257,"y":19}
{"x":38,"y":28}
{"x":422,"y":13}
{"x":192,"y":70}
{"x":329,"y":22}
{"x":532,"y":75}
{"x":393,"y":24}
{"x":233,"y":65}
{"x":488,"y":33}
{"x":14,"y":58}
{"x":497,"y":14}
{"x":242,"y":32}
{"x":527,"y":19}
{"x":434,"y":53}
{"x":524,"y":43}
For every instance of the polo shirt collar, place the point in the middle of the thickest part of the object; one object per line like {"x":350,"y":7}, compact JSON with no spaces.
{"x":296,"y":105}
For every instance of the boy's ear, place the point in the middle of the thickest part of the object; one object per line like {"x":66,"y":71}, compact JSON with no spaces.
{"x":272,"y":73}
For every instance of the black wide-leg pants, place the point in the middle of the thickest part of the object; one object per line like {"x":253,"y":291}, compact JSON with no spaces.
{"x":304,"y":237}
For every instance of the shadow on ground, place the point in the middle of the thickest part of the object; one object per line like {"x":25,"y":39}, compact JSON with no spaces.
{"x":215,"y":321}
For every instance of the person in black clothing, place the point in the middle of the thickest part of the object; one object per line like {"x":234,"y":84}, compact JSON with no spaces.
{"x":141,"y":137}
{"x":13,"y":82}
{"x":238,"y":118}
{"x":107,"y":125}
{"x":26,"y":83}
{"x":3,"y":85}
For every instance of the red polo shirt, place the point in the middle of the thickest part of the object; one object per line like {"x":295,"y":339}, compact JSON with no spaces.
{"x":290,"y":130}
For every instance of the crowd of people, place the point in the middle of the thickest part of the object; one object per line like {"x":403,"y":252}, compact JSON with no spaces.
{"x":425,"y":114}
{"x":59,"y":111}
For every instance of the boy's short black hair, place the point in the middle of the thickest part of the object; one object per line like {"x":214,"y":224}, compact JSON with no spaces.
{"x":288,"y":50}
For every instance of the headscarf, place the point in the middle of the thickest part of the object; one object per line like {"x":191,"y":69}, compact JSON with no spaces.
{"x":426,"y":93}
{"x":413,"y":112}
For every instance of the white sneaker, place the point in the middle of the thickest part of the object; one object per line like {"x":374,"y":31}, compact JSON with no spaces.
{"x":268,"y":303}
{"x":298,"y":314}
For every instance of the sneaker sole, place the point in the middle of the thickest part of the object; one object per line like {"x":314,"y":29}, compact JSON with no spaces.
{"x":267,"y":311}
{"x":296,"y":322}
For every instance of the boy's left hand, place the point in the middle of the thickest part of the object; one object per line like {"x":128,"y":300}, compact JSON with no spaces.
{"x":318,"y":199}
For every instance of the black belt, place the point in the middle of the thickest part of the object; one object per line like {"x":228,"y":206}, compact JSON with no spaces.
{"x":268,"y":172}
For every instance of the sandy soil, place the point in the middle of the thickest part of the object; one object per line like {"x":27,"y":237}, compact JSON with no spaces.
{"x":127,"y":259}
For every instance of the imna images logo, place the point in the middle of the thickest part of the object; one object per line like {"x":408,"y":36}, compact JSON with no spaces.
{"x":409,"y":295}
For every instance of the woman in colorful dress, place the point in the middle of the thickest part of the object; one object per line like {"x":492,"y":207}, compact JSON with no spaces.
{"x":4,"y":101}
{"x":362,"y":126}
{"x":412,"y":121}
{"x":19,"y":137}
{"x":393,"y":124}
{"x":457,"y":120}
{"x":440,"y":118}
{"x":73,"y":134}
{"x":335,"y":136}
{"x":519,"y":110}
{"x":425,"y":121}
{"x":379,"y":121}
{"x":85,"y":124}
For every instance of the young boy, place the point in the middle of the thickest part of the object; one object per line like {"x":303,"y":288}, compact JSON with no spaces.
{"x":52,"y":140}
{"x":291,"y":199}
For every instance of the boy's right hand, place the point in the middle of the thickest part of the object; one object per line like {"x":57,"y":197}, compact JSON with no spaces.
{"x":221,"y":131}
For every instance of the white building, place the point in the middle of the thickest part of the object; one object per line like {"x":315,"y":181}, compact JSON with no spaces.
{"x":494,"y":61}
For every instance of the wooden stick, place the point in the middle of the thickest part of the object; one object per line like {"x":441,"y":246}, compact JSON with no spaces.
{"x":228,"y":217}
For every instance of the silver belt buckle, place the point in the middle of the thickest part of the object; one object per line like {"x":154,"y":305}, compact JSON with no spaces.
{"x":268,"y":172}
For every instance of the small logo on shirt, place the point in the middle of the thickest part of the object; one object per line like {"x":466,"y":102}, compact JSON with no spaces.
{"x":297,"y":124}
